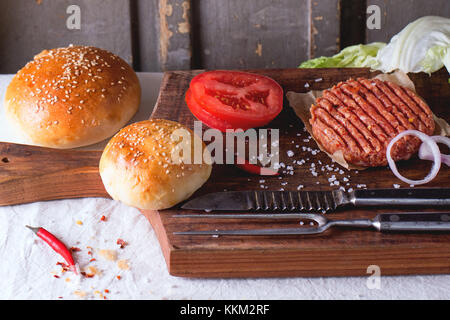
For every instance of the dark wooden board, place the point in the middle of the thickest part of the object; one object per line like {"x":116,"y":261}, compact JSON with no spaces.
{"x":334,"y":253}
{"x":29,"y":173}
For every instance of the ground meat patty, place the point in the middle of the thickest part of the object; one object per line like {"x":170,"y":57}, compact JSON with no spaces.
{"x":360,"y":117}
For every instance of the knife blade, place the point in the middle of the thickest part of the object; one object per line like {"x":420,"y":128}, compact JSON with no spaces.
{"x":318,"y":201}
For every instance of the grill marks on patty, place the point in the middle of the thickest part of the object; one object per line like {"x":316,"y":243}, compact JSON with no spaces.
{"x":360,"y":117}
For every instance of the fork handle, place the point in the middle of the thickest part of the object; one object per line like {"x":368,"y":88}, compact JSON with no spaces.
{"x":401,"y":197}
{"x":354,"y":223}
{"x":413,"y":221}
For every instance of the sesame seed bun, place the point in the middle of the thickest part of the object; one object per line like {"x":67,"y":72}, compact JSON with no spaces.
{"x":72,"y":97}
{"x":144,"y":164}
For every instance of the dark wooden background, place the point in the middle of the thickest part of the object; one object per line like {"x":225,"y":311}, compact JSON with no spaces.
{"x":156,"y":35}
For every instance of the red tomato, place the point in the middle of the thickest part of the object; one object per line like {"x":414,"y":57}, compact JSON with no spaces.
{"x":204,"y":116}
{"x":239,"y":98}
{"x":254,"y":168}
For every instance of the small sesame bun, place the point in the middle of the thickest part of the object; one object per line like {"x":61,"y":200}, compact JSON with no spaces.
{"x":72,"y":97}
{"x":154,"y":164}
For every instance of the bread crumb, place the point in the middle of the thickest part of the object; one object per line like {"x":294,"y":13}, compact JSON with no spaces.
{"x":110,"y":255}
{"x":93,"y":271}
{"x":79,"y":293}
{"x":100,"y":295}
{"x":123,"y":264}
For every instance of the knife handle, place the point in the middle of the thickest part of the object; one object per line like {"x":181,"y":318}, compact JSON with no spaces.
{"x":413,"y":221}
{"x":401,"y":197}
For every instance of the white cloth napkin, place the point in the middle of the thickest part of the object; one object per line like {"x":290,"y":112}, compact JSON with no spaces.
{"x":28,"y":266}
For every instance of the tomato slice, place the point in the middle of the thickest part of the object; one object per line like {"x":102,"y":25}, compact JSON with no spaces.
{"x":238,"y":97}
{"x":207,"y":118}
{"x":254,"y":168}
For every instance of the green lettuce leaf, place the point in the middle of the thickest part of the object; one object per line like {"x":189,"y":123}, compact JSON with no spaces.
{"x":435,"y":58}
{"x":361,"y":55}
{"x":422,"y":46}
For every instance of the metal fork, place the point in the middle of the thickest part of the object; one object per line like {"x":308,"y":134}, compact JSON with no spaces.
{"x":382,"y":222}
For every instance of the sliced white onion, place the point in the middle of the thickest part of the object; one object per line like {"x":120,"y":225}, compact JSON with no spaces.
{"x":425,"y":153}
{"x":433,"y":147}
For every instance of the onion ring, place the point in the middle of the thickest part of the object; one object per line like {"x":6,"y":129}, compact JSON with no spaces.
{"x":434,"y":151}
{"x":425,"y":153}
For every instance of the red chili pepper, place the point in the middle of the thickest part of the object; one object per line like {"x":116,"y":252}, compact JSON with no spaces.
{"x":254,"y":169}
{"x":56,"y":245}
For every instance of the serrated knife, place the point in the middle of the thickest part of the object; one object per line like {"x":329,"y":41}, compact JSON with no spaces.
{"x":318,"y":201}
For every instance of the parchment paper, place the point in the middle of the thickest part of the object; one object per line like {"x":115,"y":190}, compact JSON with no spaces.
{"x":301,"y":103}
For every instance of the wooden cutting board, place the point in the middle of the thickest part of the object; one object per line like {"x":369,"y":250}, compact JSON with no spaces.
{"x":335,"y":253}
{"x":31,"y":174}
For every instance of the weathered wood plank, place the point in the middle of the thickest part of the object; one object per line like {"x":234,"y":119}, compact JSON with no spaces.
{"x":28,"y":27}
{"x":163,"y":34}
{"x":145,"y":20}
{"x":395,"y":15}
{"x":324,"y":27}
{"x":175,"y":34}
{"x":353,"y":22}
{"x":182,"y":34}
{"x":250,"y":34}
